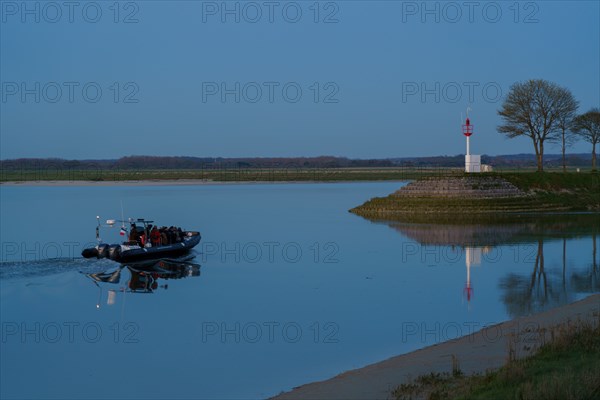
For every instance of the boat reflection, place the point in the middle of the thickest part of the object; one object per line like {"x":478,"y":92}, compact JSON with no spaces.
{"x":144,"y":277}
{"x":529,"y":292}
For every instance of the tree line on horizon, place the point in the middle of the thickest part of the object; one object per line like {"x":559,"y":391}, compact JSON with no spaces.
{"x":221,"y":163}
{"x":182,"y":162}
{"x":547,"y":112}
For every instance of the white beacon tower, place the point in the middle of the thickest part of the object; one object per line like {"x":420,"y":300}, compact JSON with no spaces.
{"x":472,"y":162}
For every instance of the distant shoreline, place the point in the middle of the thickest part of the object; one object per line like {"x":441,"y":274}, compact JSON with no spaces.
{"x":145,"y":182}
{"x":167,"y":182}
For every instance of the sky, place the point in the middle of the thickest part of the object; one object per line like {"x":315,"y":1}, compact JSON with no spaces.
{"x":359,"y":79}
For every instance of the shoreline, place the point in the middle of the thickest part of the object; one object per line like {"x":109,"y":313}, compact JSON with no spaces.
{"x":143,"y":182}
{"x":171,"y":182}
{"x":483,"y":198}
{"x":477,"y":353}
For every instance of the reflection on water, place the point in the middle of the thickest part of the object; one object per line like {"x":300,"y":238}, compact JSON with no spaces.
{"x":144,"y":277}
{"x":522,"y":293}
{"x":587,"y":282}
{"x":542,"y":290}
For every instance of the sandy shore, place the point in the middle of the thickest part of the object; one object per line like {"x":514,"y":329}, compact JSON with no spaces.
{"x":476,"y":353}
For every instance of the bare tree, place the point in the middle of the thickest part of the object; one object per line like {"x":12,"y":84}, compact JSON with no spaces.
{"x":566,"y":137}
{"x":588,"y":127}
{"x":534,"y":109}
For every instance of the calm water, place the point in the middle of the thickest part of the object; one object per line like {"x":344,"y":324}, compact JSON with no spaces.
{"x":292,"y":288}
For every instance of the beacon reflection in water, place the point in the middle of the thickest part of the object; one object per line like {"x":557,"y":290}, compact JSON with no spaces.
{"x":536,"y":288}
{"x":473,"y":257}
{"x":144,"y":277}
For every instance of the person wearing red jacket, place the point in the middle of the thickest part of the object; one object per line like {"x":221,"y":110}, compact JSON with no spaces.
{"x":155,"y":237}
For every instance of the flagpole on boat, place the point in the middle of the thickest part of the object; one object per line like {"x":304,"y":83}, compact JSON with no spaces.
{"x":122,"y":218}
{"x":98,"y":229}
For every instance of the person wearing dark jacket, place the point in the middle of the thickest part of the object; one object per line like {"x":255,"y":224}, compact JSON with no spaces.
{"x":133,"y":234}
{"x":163,"y":235}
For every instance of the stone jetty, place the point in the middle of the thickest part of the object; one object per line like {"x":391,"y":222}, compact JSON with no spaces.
{"x":467,"y":187}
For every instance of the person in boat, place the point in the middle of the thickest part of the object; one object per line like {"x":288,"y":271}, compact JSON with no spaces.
{"x":155,"y":237}
{"x":133,"y":234}
{"x":175,"y":234}
{"x":171,"y":235}
{"x":164,"y":239}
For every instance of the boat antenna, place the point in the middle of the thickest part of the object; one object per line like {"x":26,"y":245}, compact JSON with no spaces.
{"x":98,"y":229}
{"x":122,"y":217}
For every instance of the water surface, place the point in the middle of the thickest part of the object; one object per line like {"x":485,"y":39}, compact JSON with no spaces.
{"x":291,"y":288}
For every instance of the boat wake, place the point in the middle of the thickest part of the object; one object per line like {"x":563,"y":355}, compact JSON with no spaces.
{"x":27,"y":269}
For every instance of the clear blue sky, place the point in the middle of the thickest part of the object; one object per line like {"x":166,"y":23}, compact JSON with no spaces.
{"x":368,"y":62}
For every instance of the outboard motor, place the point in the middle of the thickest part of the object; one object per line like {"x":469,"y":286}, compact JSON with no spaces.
{"x":103,"y":251}
{"x":89,"y":253}
{"x":114,"y":252}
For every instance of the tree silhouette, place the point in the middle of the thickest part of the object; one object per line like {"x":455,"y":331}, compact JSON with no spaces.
{"x":588,"y":127}
{"x":566,"y":137}
{"x":535,"y":109}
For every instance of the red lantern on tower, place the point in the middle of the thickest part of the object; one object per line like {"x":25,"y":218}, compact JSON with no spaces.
{"x":467,"y":128}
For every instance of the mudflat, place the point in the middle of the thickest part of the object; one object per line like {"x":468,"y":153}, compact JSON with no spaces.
{"x":487,"y":349}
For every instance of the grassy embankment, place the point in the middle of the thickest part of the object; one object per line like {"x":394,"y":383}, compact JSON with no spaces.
{"x":544,"y":193}
{"x":566,"y":368}
{"x":229,"y":174}
{"x":294,"y":174}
